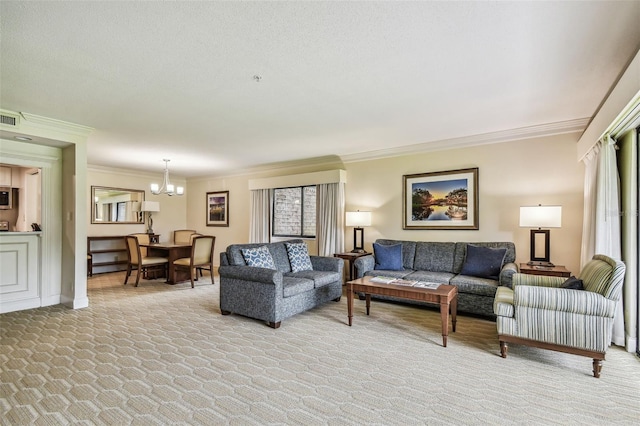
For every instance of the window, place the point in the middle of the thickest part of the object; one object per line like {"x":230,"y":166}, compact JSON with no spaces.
{"x":294,"y":212}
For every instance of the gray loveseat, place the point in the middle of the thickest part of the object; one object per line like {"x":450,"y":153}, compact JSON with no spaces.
{"x":272,"y":295}
{"x":443,"y":262}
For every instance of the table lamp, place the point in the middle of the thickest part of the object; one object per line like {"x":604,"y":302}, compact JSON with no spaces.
{"x":540,"y":217}
{"x":150,"y":206}
{"x":358,"y":219}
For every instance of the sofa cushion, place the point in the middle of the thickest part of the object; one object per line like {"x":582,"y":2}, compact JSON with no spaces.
{"x":319,"y":278}
{"x":258,"y":257}
{"x":388,"y":273}
{"x":388,"y":257}
{"x":292,"y":286}
{"x":430,"y":276}
{"x":475,"y":285}
{"x":434,"y":256}
{"x":461,"y":252}
{"x":298,"y":257}
{"x":483,"y":262}
{"x":408,"y":250}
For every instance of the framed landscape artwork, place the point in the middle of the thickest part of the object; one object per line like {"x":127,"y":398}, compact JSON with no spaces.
{"x":218,"y":208}
{"x":441,"y":200}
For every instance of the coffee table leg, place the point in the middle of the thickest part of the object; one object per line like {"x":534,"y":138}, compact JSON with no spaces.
{"x":454,"y":311}
{"x":444,"y":317}
{"x":368,"y":299}
{"x":350,"y":303}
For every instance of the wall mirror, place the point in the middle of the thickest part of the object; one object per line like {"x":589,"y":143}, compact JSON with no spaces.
{"x":116,"y":205}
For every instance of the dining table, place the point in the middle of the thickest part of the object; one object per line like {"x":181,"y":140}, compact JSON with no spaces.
{"x":172,"y":252}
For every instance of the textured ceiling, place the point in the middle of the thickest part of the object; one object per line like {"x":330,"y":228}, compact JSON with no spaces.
{"x":176,"y":79}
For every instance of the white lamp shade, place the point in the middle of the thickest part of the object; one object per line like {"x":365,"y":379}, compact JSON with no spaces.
{"x":150,"y":206}
{"x":358,"y":219}
{"x":541,"y":216}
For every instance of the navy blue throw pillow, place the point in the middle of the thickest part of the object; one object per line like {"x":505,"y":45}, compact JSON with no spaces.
{"x":483,"y":262}
{"x":573,"y":283}
{"x":388,"y":257}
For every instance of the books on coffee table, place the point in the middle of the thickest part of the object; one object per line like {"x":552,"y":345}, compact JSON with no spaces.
{"x":400,"y":281}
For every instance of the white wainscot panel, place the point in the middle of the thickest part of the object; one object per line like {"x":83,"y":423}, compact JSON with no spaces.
{"x":20,"y":276}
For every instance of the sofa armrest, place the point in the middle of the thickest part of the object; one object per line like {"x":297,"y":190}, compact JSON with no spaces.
{"x":364,"y":264}
{"x":563,"y":300}
{"x":251,"y":273}
{"x":537,"y":280}
{"x":325,"y":263}
{"x":506,"y":274}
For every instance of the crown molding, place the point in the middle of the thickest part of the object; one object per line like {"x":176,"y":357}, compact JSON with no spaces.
{"x":130,"y":172}
{"x":543,"y":130}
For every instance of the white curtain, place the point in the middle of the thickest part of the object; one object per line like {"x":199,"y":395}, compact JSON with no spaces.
{"x":260,"y":206}
{"x":628,"y":168}
{"x":589,"y":223}
{"x":601,"y":226}
{"x":330,"y":221}
{"x":608,"y":202}
{"x":608,"y":238}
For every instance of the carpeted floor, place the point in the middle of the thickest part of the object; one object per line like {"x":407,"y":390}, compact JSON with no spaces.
{"x":161,"y":354}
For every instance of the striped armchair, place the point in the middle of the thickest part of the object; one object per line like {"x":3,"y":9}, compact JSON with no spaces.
{"x":538,"y":312}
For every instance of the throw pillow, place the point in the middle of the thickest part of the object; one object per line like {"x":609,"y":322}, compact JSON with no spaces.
{"x":259,"y":257}
{"x":573,"y":283}
{"x":483,"y":262}
{"x":388,"y":257}
{"x":298,"y":257}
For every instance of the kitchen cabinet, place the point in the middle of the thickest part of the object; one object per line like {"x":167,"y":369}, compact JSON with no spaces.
{"x":5,"y":176}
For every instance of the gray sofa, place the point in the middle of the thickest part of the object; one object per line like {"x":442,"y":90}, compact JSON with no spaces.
{"x":443,"y":262}
{"x":273,"y":295}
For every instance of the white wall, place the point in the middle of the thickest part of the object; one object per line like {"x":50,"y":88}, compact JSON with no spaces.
{"x":172,"y":214}
{"x":530,"y":172}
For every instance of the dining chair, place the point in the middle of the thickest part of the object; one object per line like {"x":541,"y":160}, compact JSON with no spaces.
{"x":183,"y":236}
{"x":142,"y":240}
{"x":201,"y":257}
{"x":137,"y":261}
{"x":198,"y":269}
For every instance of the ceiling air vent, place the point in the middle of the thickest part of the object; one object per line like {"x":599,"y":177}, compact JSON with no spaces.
{"x":9,"y":120}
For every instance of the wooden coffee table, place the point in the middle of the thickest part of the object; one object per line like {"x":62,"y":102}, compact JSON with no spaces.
{"x":445,"y":295}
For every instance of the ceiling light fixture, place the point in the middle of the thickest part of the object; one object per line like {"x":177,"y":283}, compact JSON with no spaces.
{"x":23,"y":138}
{"x":167,"y":187}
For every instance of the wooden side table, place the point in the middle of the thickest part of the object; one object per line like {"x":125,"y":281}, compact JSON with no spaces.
{"x":350,"y":258}
{"x":555,"y":271}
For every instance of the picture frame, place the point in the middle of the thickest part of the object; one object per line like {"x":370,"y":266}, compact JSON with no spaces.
{"x":217,"y":208}
{"x":441,"y":200}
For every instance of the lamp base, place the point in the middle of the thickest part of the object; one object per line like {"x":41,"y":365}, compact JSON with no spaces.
{"x":540,"y":263}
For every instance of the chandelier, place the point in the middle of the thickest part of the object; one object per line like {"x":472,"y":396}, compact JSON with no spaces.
{"x":167,"y":187}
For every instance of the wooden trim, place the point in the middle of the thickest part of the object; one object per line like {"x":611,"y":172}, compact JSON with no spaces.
{"x":551,"y":346}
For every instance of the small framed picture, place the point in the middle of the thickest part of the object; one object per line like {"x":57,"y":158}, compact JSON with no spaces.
{"x":441,"y":200}
{"x":218,"y":208}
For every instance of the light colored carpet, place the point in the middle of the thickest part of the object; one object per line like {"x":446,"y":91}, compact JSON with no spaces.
{"x":161,"y":354}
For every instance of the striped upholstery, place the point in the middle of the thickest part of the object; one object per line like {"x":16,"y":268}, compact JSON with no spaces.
{"x":543,"y":312}
{"x":603,"y":275}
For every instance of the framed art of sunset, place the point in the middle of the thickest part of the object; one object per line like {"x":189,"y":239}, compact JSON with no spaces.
{"x":441,"y":200}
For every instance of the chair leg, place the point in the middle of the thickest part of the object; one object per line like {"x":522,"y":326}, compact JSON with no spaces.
{"x":274,"y":324}
{"x":504,"y":348}
{"x":597,"y":367}
{"x":126,"y":276}
{"x":191,"y":273}
{"x":138,"y":276}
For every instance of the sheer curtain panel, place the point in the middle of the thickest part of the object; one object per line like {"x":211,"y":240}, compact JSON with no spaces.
{"x":330,"y":225}
{"x":260,"y":205}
